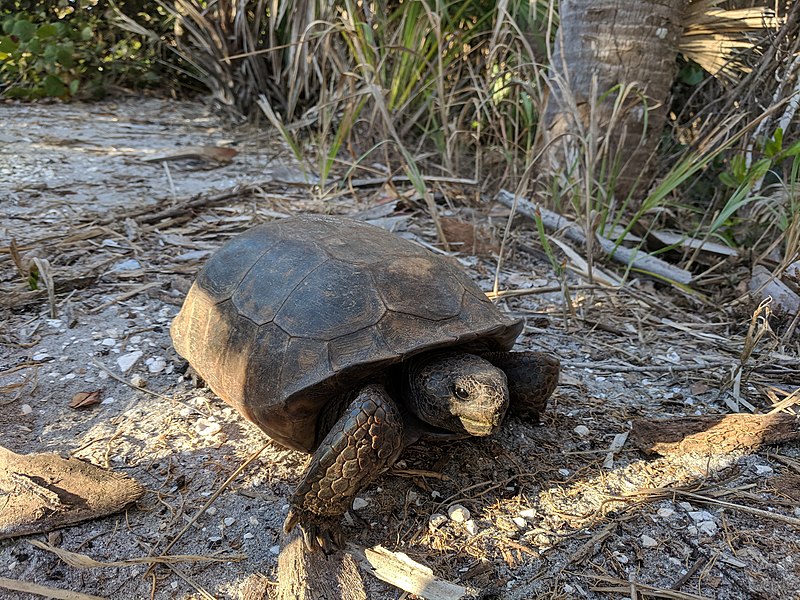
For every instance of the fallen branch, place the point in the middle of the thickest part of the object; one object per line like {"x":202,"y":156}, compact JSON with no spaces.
{"x":637,"y":259}
{"x":714,"y":434}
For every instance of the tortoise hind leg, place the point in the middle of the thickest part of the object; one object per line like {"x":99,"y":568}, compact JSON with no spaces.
{"x":532,"y":377}
{"x":364,"y":440}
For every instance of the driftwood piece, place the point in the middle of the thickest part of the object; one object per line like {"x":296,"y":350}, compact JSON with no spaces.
{"x":410,"y":576}
{"x":638,"y":259}
{"x":304,"y":575}
{"x":42,"y":492}
{"x":714,"y":434}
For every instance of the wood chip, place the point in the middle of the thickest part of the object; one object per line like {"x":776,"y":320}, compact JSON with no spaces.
{"x":45,"y":491}
{"x":401,"y":571}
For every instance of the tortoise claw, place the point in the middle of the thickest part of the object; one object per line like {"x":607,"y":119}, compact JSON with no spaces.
{"x":318,"y":533}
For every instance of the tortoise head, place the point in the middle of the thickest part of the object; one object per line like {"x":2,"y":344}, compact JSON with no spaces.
{"x":458,"y":392}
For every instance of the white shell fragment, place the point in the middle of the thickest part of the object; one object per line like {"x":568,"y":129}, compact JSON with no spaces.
{"x":458,"y":513}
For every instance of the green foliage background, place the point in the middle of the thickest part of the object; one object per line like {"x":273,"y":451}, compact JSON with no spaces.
{"x":73,"y":48}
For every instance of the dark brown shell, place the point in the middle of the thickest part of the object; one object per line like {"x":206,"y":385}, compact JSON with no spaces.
{"x":291,"y":314}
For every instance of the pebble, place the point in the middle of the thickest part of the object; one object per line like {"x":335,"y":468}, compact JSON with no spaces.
{"x":621,"y":558}
{"x":359,"y":503}
{"x":138,"y":381}
{"x":665,"y":512}
{"x":228,"y":521}
{"x":110,"y":342}
{"x":470,"y":526}
{"x":40,"y":356}
{"x":156,"y":365}
{"x":127,"y":265}
{"x":275,"y":549}
{"x":763,"y":469}
{"x":708,"y":528}
{"x":109,"y":400}
{"x":458,"y":513}
{"x":26,"y":409}
{"x":126,"y":361}
{"x":700,"y":515}
{"x":207,"y":428}
{"x":436,"y":520}
{"x":215,"y":538}
{"x":528,"y":513}
{"x":520,"y":522}
{"x":248,"y":536}
{"x":211,"y":511}
{"x":564,"y":472}
{"x":647,"y":541}
{"x":582,"y":430}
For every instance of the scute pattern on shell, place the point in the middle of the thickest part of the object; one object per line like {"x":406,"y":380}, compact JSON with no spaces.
{"x":291,"y":314}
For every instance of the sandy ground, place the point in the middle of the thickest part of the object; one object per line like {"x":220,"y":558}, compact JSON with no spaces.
{"x":564,"y":509}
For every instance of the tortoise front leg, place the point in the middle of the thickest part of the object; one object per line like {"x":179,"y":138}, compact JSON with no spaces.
{"x":532,"y":377}
{"x":366,"y":438}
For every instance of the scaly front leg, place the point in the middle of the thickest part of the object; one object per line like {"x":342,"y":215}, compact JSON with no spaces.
{"x":366,"y":439}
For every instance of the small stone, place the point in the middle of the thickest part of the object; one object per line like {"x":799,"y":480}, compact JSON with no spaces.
{"x":126,"y":361}
{"x":435,"y":495}
{"x":458,"y":513}
{"x":691,"y":530}
{"x":207,"y":427}
{"x":621,"y":558}
{"x":520,"y":522}
{"x":248,"y":536}
{"x":275,"y":549}
{"x":564,"y":472}
{"x":665,"y":512}
{"x":708,"y":528}
{"x":763,"y":469}
{"x":127,"y":265}
{"x":228,"y":521}
{"x":215,"y":538}
{"x":26,"y":409}
{"x":700,"y":515}
{"x":647,"y":541}
{"x":470,"y":527}
{"x":109,"y":400}
{"x":685,"y":506}
{"x":138,"y":381}
{"x":529,"y":514}
{"x":582,"y":430}
{"x":211,"y":510}
{"x":157,"y":365}
{"x":110,"y":342}
{"x":568,"y":589}
{"x":359,"y":503}
{"x":174,"y":585}
{"x":436,"y":520}
{"x":40,"y":356}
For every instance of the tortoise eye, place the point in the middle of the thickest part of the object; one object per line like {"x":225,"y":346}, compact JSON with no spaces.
{"x":461,"y":392}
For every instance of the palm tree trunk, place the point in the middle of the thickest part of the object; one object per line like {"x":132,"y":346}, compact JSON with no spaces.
{"x":612,"y":69}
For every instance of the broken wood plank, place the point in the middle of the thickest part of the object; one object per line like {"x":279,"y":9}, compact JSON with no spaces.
{"x":305,"y":575}
{"x":714,"y":434}
{"x":42,"y":492}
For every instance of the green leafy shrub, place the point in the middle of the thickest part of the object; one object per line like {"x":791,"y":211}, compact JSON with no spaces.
{"x":67,"y":50}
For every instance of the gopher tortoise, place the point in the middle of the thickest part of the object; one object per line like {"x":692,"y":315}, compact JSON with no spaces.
{"x":343,"y":340}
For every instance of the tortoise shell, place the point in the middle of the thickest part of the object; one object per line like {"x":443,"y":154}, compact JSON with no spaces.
{"x":292,"y":314}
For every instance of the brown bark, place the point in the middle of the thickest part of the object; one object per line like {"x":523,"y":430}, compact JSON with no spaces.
{"x":304,"y":575}
{"x":44,"y":492}
{"x":714,"y":434}
{"x":602,"y":44}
